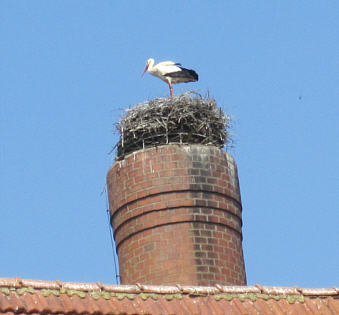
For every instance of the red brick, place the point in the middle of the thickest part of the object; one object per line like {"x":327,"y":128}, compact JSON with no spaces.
{"x":200,"y":240}
{"x":207,"y":247}
{"x":168,"y":189}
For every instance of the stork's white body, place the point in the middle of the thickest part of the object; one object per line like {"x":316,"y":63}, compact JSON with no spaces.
{"x":170,"y":72}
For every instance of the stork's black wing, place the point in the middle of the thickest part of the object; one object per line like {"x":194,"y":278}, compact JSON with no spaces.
{"x":188,"y":74}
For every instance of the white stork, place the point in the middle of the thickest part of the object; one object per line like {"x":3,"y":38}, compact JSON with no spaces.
{"x":170,"y":72}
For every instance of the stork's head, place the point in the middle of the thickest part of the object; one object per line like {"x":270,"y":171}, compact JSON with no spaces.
{"x":149,"y":63}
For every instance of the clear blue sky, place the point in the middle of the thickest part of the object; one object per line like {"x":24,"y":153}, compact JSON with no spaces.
{"x":69,"y":68}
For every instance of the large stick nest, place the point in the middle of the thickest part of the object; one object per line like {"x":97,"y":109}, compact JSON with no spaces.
{"x":187,"y":118}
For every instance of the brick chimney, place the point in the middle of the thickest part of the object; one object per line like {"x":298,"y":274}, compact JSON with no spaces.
{"x":176,"y":216}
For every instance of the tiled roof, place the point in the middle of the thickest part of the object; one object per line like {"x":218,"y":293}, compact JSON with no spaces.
{"x":18,"y":296}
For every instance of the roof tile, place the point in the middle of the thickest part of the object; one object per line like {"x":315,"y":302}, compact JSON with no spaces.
{"x":317,"y":291}
{"x":241,"y":307}
{"x":18,"y":296}
{"x":5,"y":303}
{"x":280,"y":290}
{"x":334,"y":305}
{"x":274,"y":307}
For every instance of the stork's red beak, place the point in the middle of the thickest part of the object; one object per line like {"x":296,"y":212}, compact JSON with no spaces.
{"x":146,"y":68}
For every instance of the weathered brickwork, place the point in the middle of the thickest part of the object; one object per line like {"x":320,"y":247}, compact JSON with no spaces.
{"x":176,"y":215}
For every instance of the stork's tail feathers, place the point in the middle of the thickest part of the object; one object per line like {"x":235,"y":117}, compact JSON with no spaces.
{"x":193,"y":74}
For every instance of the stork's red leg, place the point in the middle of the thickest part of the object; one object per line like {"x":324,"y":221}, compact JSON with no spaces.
{"x":171,"y":88}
